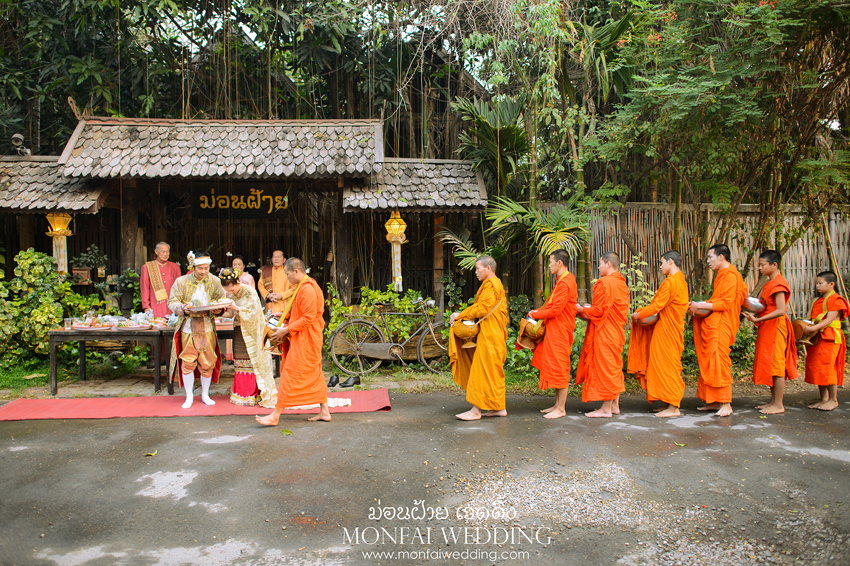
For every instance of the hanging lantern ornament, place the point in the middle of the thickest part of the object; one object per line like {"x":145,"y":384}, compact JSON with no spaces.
{"x":395,"y":235}
{"x":59,"y":231}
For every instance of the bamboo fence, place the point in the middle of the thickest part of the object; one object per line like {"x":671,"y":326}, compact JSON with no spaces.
{"x":649,"y":227}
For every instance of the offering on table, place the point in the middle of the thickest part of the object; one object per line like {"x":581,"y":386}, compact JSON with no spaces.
{"x":133,"y":325}
{"x":93,"y":323}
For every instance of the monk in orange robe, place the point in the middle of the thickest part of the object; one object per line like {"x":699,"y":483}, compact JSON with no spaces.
{"x":655,"y":351}
{"x":301,"y":379}
{"x":480,"y":371}
{"x":825,"y":360}
{"x":776,"y":351}
{"x":715,"y":333}
{"x":600,"y":366}
{"x":552,"y":354}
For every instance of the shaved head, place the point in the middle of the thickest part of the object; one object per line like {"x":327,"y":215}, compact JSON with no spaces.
{"x":611,"y":258}
{"x":675,"y":256}
{"x":829,"y":277}
{"x":293,"y":264}
{"x":560,"y":255}
{"x":487,"y":261}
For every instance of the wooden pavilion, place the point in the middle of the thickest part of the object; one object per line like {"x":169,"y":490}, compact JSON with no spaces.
{"x":317,"y":189}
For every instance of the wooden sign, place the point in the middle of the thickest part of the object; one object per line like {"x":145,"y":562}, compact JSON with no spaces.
{"x":239,"y":200}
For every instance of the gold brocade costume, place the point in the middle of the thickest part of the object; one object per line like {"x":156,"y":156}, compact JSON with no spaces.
{"x":252,"y":322}
{"x":181,"y":293}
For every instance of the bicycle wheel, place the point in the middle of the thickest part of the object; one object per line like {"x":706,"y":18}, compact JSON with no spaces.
{"x":345,"y":347}
{"x":432,"y":349}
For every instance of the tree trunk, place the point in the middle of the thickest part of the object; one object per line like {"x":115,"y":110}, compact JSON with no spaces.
{"x":677,"y":217}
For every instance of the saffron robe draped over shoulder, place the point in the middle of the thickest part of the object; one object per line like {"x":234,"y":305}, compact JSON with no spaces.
{"x":600,"y":366}
{"x":273,"y":280}
{"x":552,"y":354}
{"x":715,"y":334}
{"x":825,"y":360}
{"x":775,"y":347}
{"x":480,"y":371}
{"x":655,"y":352}
{"x":301,"y":379}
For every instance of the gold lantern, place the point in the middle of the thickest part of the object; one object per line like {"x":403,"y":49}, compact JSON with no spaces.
{"x":59,"y":231}
{"x":395,"y":235}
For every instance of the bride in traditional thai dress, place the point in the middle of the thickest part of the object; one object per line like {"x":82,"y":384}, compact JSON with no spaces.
{"x":254,"y":380}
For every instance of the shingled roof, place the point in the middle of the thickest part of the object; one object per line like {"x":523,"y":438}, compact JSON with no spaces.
{"x":36,"y":184}
{"x":420,"y":185}
{"x":241,"y":149}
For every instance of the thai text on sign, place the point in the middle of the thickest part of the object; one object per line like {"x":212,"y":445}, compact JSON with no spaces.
{"x":238,"y":202}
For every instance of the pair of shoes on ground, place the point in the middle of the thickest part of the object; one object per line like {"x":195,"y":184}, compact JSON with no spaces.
{"x":350,"y":382}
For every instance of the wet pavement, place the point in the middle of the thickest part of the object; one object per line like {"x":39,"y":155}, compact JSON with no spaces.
{"x":420,"y":487}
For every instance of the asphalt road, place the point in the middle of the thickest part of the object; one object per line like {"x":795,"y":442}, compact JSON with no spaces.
{"x":630,"y":490}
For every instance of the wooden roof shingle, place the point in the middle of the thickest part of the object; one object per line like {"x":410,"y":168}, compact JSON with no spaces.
{"x":36,"y":184}
{"x":241,"y":149}
{"x":418,"y":185}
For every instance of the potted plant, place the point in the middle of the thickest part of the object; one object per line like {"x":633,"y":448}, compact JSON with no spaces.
{"x":82,"y":265}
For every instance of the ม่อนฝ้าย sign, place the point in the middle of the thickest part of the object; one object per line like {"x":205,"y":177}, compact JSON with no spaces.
{"x":239,"y":201}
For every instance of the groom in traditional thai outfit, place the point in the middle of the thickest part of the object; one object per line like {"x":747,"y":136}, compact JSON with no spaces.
{"x":156,"y":280}
{"x":195,"y":352}
{"x":301,"y":379}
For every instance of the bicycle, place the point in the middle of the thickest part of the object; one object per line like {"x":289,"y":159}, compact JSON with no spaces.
{"x":359,"y":346}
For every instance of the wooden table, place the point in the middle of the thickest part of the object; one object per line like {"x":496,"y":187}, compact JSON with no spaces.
{"x":82,"y":336}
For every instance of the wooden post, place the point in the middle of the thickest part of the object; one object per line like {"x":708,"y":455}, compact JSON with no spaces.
{"x":26,"y":232}
{"x":439,"y":221}
{"x":129,"y":226}
{"x":342,"y":254}
{"x":160,"y":230}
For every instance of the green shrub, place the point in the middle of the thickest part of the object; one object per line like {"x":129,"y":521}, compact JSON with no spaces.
{"x":34,"y":302}
{"x":519,"y":306}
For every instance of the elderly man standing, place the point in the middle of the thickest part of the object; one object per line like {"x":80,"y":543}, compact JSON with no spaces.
{"x":157,"y":278}
{"x":273,"y":284}
{"x":195,"y":351}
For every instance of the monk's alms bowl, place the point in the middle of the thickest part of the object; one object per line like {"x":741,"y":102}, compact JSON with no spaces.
{"x":534,"y":329}
{"x":649,"y":320}
{"x":465,"y":329}
{"x":702,"y":313}
{"x":582,"y":315}
{"x":798,"y":325}
{"x":753,"y":304}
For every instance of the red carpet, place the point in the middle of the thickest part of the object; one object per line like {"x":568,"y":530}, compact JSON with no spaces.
{"x":170,"y":406}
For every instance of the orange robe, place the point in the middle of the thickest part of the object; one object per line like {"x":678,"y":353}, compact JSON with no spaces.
{"x":655,"y":352}
{"x":480,"y":371}
{"x":552,"y":354}
{"x":825,"y":360}
{"x":273,"y":280}
{"x":600,"y":366}
{"x":715,"y":334}
{"x":776,"y":351}
{"x":301,"y":379}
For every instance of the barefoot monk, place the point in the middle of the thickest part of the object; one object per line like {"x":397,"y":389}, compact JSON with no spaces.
{"x":600,"y":366}
{"x":714,"y":334}
{"x":301,"y":379}
{"x":655,"y":351}
{"x":480,"y":371}
{"x":552,"y":354}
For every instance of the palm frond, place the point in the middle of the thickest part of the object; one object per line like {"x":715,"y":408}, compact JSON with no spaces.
{"x":464,"y":250}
